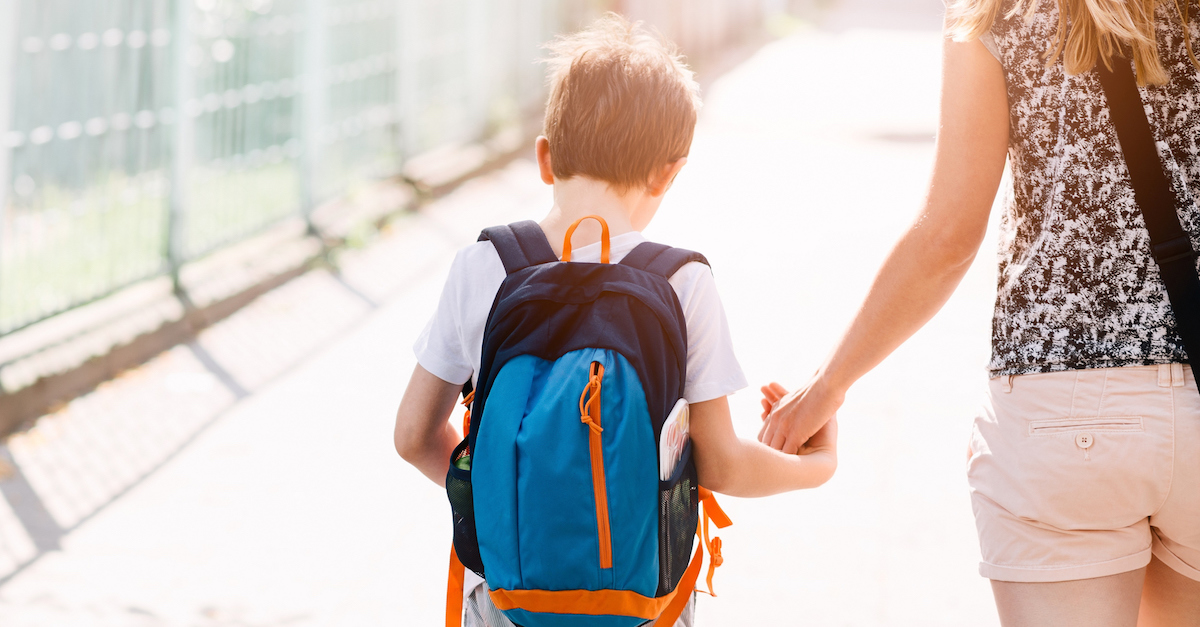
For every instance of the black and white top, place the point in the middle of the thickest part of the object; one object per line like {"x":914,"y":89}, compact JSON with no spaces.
{"x":1077,"y":287}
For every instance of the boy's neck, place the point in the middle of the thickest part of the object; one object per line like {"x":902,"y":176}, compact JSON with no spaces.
{"x":580,"y":196}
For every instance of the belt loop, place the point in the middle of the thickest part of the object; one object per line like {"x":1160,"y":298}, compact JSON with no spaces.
{"x":1006,"y":381}
{"x":1164,"y":375}
{"x":1176,"y":375}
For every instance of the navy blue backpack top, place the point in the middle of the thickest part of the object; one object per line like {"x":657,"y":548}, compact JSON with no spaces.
{"x":556,"y":492}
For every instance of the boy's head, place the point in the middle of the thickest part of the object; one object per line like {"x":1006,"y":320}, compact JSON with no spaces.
{"x":622,"y":105}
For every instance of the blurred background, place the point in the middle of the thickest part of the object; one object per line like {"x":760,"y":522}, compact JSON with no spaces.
{"x":223,"y":224}
{"x":139,"y":135}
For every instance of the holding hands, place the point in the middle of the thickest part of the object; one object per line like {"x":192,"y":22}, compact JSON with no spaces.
{"x":802,"y":422}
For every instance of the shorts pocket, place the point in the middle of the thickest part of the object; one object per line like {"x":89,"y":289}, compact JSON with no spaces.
{"x":1077,"y":473}
{"x":1086,"y":425}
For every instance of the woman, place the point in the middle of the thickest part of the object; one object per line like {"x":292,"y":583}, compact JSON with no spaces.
{"x":1085,"y":461}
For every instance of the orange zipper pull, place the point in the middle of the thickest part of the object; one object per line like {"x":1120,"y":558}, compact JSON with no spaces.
{"x":591,"y":394}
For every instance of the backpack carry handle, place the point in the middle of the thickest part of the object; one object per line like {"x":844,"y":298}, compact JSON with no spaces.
{"x":605,"y":244}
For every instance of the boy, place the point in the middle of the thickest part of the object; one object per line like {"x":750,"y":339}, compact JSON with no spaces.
{"x":618,"y":127}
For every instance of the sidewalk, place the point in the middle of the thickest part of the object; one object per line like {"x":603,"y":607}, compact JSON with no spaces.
{"x":248,"y":479}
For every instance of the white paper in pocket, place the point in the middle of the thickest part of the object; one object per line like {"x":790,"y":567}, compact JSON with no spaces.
{"x":673,"y":439}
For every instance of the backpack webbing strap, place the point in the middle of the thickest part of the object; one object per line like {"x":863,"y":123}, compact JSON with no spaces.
{"x":454,"y":591}
{"x":1169,"y":243}
{"x":712,"y":512}
{"x":660,"y":259}
{"x":520,"y":245}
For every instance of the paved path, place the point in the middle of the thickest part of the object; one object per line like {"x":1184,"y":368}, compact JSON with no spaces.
{"x":248,"y":479}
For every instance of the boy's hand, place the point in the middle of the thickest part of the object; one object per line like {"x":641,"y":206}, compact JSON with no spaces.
{"x":823,"y":441}
{"x":771,"y":395}
{"x":791,"y":419}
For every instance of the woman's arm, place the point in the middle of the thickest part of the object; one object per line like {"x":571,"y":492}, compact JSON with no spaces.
{"x":424,"y":436}
{"x":933,"y":255}
{"x":737,"y":467}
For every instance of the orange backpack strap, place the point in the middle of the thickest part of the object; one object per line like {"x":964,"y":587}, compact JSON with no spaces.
{"x":714,"y":513}
{"x":713,"y":510}
{"x":458,"y":573}
{"x":454,"y":591}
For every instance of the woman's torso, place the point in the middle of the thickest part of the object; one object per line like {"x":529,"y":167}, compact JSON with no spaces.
{"x":1077,"y":287}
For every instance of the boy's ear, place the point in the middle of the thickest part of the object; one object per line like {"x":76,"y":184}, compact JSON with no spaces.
{"x":542,"y":148}
{"x":661,"y":180}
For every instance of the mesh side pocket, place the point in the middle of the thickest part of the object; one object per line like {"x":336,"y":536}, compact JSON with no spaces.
{"x":678,"y":503}
{"x":462,"y":507}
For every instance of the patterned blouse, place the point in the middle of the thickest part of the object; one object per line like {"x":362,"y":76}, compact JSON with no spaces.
{"x":1077,"y":287}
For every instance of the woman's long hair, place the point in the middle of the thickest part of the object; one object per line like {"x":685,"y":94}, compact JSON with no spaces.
{"x":1097,"y":29}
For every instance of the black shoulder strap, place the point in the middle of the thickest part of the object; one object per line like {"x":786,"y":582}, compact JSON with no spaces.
{"x":520,"y":244}
{"x":659,"y":259}
{"x":1169,"y":243}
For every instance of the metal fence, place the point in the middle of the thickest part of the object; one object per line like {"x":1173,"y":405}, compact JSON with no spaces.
{"x":136,"y":135}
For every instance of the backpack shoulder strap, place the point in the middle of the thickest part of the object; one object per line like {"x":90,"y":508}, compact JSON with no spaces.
{"x":661,"y":259}
{"x":520,"y":245}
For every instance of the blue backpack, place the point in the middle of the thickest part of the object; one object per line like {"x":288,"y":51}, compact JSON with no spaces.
{"x":555,"y":490}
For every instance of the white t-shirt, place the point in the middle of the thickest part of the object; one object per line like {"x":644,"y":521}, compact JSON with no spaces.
{"x":451,"y":345}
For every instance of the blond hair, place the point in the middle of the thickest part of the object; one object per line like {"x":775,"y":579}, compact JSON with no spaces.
{"x":622,"y":104}
{"x":1098,"y":29}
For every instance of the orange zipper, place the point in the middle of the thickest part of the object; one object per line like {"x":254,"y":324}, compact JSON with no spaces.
{"x":589,"y":414}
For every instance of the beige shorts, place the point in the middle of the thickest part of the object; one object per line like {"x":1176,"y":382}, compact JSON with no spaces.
{"x":1086,"y":473}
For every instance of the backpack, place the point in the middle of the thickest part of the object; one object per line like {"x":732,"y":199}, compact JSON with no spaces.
{"x":555,"y":490}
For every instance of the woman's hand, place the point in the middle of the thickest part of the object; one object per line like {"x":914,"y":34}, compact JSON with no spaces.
{"x":800,"y":422}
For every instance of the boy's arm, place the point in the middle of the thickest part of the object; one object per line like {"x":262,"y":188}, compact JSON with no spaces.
{"x":424,"y":436}
{"x":747,"y":468}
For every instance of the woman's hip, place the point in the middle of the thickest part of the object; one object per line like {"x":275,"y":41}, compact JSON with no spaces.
{"x":1069,"y":470}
